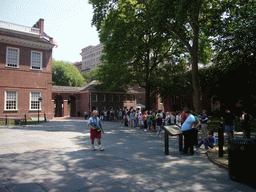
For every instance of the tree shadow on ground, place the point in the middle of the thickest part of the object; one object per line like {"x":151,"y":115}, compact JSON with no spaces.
{"x":132,"y":161}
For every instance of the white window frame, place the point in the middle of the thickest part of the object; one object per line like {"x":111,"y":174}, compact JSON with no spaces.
{"x":36,"y":100}
{"x":41,"y":60}
{"x":96,"y":98}
{"x":104,"y":98}
{"x":7,"y":57}
{"x":5,"y":100}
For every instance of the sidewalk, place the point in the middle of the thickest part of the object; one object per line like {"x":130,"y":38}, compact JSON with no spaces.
{"x":57,"y":156}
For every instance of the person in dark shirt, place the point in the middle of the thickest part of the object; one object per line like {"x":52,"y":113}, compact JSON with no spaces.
{"x":203,"y":119}
{"x":159,"y":122}
{"x":245,"y":119}
{"x":228,"y":118}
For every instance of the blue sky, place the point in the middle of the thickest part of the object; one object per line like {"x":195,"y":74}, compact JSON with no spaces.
{"x":67,"y":21}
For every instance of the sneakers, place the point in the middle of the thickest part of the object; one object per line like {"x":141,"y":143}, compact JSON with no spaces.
{"x":100,"y":148}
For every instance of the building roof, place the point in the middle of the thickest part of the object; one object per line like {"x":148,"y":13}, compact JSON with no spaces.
{"x":58,"y":88}
{"x":89,"y":86}
{"x":25,"y":36}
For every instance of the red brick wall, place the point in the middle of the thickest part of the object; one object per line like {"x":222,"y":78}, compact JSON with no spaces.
{"x":24,"y":80}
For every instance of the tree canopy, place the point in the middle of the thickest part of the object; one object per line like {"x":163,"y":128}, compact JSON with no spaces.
{"x":66,"y":74}
{"x":193,"y":31}
{"x":134,"y":52}
{"x":90,"y":75}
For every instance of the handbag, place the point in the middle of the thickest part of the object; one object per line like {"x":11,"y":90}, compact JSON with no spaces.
{"x":98,"y":130}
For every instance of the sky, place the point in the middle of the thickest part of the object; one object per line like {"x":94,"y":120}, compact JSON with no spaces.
{"x":67,"y":21}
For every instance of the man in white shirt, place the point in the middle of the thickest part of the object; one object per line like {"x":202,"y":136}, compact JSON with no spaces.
{"x":95,"y":129}
{"x":188,"y":132}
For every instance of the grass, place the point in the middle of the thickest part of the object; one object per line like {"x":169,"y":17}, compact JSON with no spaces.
{"x":29,"y":122}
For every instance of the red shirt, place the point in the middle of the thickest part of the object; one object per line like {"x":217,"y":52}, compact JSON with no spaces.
{"x":183,"y":117}
{"x":144,"y":117}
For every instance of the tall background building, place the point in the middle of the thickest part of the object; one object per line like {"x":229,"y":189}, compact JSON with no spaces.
{"x":91,"y":57}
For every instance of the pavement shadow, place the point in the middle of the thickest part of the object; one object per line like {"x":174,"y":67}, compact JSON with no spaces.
{"x":132,"y":161}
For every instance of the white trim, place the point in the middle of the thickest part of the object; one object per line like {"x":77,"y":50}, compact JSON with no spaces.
{"x":5,"y":96}
{"x":96,"y":97}
{"x":26,"y":43}
{"x":18,"y":59}
{"x":104,"y":98}
{"x":40,"y":103}
{"x":41,"y":59}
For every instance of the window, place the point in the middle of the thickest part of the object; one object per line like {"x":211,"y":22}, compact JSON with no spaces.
{"x":103,"y":98}
{"x":111,"y":98}
{"x":36,"y":60}
{"x":11,"y":100}
{"x":94,"y":98}
{"x":118,"y":98}
{"x":125,"y":98}
{"x":34,"y":103}
{"x":12,"y":57}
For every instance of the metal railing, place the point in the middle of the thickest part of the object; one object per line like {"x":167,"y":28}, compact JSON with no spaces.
{"x":21,"y":28}
{"x":21,"y":119}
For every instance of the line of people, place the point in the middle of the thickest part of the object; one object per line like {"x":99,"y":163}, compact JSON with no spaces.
{"x":188,"y":121}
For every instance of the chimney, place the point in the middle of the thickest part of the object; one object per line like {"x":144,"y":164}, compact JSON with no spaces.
{"x":40,"y":25}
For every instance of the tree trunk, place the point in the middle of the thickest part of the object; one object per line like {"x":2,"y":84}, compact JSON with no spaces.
{"x":197,"y":97}
{"x":148,"y":99}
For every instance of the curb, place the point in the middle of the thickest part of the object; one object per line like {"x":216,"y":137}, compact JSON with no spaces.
{"x":216,"y":162}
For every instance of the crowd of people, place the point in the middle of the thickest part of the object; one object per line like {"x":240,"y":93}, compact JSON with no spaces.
{"x":189,"y":122}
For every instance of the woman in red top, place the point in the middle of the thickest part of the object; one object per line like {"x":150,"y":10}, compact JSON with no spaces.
{"x":145,"y":119}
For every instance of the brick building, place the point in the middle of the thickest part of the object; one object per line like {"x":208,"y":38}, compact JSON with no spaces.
{"x":78,"y":66}
{"x":74,"y":101}
{"x":25,"y":70}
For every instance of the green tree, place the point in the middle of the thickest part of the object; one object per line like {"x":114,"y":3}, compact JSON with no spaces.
{"x":66,"y":74}
{"x":183,"y":21}
{"x":189,"y":21}
{"x":235,"y":49}
{"x":90,"y":75}
{"x":134,"y":51}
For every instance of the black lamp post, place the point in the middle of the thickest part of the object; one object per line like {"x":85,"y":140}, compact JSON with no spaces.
{"x":40,"y":100}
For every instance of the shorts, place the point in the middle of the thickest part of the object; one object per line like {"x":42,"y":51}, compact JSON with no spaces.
{"x":94,"y":134}
{"x":229,"y":129}
{"x":149,"y":123}
{"x":159,"y":128}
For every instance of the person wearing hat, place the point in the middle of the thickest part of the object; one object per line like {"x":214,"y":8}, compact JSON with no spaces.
{"x":95,"y":129}
{"x":188,"y":132}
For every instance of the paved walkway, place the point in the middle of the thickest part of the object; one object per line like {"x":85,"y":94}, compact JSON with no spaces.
{"x":56,"y":156}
